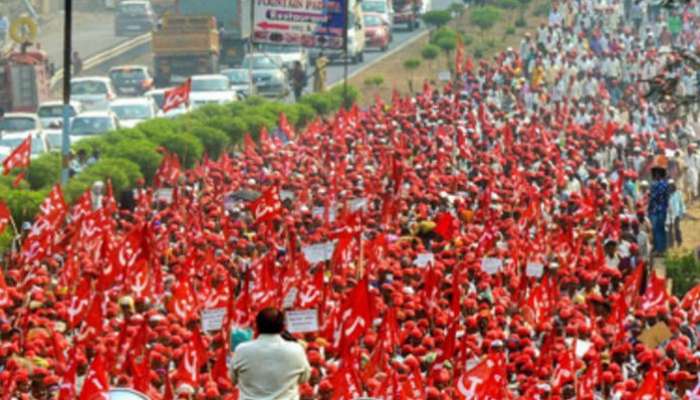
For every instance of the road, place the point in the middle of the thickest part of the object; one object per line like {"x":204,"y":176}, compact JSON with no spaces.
{"x":92,"y":34}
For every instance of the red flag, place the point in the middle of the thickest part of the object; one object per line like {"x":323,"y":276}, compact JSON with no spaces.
{"x":655,"y":294}
{"x":67,"y":390}
{"x":652,"y":387}
{"x":346,"y":382}
{"x":445,"y":225}
{"x":267,"y":206}
{"x":475,"y":384}
{"x":169,"y":170}
{"x":5,"y":216}
{"x":356,"y":315}
{"x":175,"y":97}
{"x":82,"y":207}
{"x":285,"y":127}
{"x":96,"y":383}
{"x":19,"y":157}
{"x":459,"y":57}
{"x":249,"y":145}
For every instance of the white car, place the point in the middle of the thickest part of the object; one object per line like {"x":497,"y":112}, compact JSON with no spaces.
{"x":289,"y":54}
{"x":39,"y":143}
{"x":95,"y":93}
{"x":92,"y":123}
{"x":51,"y":113}
{"x":25,"y":123}
{"x":380,"y":7}
{"x":211,"y":89}
{"x":133,"y":111}
{"x":157,"y":95}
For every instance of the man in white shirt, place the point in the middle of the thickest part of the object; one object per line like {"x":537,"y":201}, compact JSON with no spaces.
{"x":270,"y":367}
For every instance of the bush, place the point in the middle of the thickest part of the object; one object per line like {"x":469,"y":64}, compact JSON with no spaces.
{"x":444,"y":32}
{"x":447,"y":44}
{"x":479,"y":52}
{"x":141,"y":152}
{"x":374,"y":81}
{"x":320,"y":103}
{"x":44,"y":171}
{"x":437,"y":18}
{"x":337,"y":94}
{"x":185,"y":145}
{"x":157,"y":127}
{"x":122,"y":134}
{"x":467,"y":40}
{"x":485,"y":17}
{"x":541,"y":10}
{"x":684,"y":270}
{"x":24,"y":204}
{"x":520,"y":22}
{"x":91,"y":145}
{"x":490,"y":44}
{"x":508,"y":4}
{"x":215,"y":141}
{"x":430,"y":52}
{"x":510,"y":30}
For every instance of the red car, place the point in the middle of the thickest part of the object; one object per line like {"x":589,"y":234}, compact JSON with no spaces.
{"x":377,"y":32}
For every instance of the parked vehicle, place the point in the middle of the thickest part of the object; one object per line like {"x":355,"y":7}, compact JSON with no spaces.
{"x":408,"y":12}
{"x":51,"y":113}
{"x":158,"y":95}
{"x":210,"y":89}
{"x":240,"y":80}
{"x":269,"y":75}
{"x":24,"y":80}
{"x":132,"y":111}
{"x":94,"y":93}
{"x":39,"y":143}
{"x":92,"y":123}
{"x":23,"y":123}
{"x":383,"y":8}
{"x":289,"y":54}
{"x":377,"y":31}
{"x":134,"y":17}
{"x":232,"y":22}
{"x":131,"y":80}
{"x":356,"y":38}
{"x":185,"y":46}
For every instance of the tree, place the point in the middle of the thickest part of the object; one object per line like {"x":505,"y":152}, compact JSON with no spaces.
{"x":430,"y":52}
{"x":437,"y":18}
{"x":523,"y":7}
{"x":508,"y":5}
{"x":447,"y":44}
{"x":374,"y":81}
{"x":485,"y":18}
{"x":456,"y":10}
{"x":411,"y":65}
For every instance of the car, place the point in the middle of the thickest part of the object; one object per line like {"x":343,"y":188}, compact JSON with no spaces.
{"x":92,"y":123}
{"x":94,"y":93}
{"x":134,"y":17}
{"x":158,"y":95}
{"x":210,"y":89}
{"x":132,"y":111}
{"x":25,"y":123}
{"x":377,"y":32}
{"x":240,"y":79}
{"x":51,"y":112}
{"x":39,"y":143}
{"x":131,"y":80}
{"x":382,"y":8}
{"x":269,"y":76}
{"x":288,"y":54}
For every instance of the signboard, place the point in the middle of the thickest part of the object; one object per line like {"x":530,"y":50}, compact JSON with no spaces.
{"x":319,"y":252}
{"x":301,"y":321}
{"x":491,"y":265}
{"x":310,"y":23}
{"x":164,"y":195}
{"x":359,"y":203}
{"x":534,"y":270}
{"x":213,"y":319}
{"x":654,"y":336}
{"x":423,"y":259}
{"x":444,"y":76}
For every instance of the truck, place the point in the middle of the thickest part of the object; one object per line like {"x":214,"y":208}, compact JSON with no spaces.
{"x":24,"y":80}
{"x":233,"y":19}
{"x":185,"y":46}
{"x":408,"y":12}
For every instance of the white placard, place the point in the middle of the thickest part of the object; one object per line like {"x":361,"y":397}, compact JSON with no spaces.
{"x":289,"y":299}
{"x":357,"y":204}
{"x":534,"y":269}
{"x":423,"y":259}
{"x":491,"y":265}
{"x":319,"y":211}
{"x":165,"y":195}
{"x":319,"y":252}
{"x":300,"y":321}
{"x":444,"y":76}
{"x":582,"y":347}
{"x":213,"y":319}
{"x":286,"y":194}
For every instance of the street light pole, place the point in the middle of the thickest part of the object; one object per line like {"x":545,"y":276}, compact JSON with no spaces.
{"x":67,"y":50}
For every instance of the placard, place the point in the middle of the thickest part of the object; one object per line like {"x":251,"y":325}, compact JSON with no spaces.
{"x":289,"y":299}
{"x":423,"y":259}
{"x":164,"y":195}
{"x":654,"y":336}
{"x":444,"y":76}
{"x":319,"y":211}
{"x":286,"y":194}
{"x":582,"y":347}
{"x":301,"y":321}
{"x":357,"y":204}
{"x":491,"y":265}
{"x":319,"y":252}
{"x":213,"y":319}
{"x":534,"y":270}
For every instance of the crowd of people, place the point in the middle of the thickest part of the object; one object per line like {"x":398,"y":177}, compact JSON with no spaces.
{"x":492,"y":239}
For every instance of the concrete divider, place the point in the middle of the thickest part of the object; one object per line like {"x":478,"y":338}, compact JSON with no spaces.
{"x":121,"y":52}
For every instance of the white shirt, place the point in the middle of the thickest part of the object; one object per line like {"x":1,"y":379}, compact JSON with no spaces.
{"x":269,"y":368}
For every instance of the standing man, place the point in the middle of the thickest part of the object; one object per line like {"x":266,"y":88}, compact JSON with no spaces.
{"x":77,"y":63}
{"x":4,"y":28}
{"x":270,"y":367}
{"x":320,"y":73}
{"x":298,"y":80}
{"x":657,"y":208}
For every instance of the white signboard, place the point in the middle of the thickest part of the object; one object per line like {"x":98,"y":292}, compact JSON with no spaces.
{"x":491,"y":265}
{"x":300,"y":321}
{"x":582,"y":347}
{"x":288,"y":21}
{"x":286,"y":194}
{"x":357,"y":204}
{"x":423,"y":259}
{"x":534,"y":270}
{"x":289,"y":299}
{"x":319,"y":252}
{"x":444,"y":76}
{"x":213,"y":319}
{"x":164,"y":195}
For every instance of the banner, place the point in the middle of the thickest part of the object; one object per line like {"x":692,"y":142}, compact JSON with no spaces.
{"x":310,"y":23}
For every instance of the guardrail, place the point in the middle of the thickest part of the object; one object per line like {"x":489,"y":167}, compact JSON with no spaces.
{"x":107,"y":55}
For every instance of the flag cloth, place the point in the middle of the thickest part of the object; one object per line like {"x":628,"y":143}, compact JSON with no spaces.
{"x":175,"y":97}
{"x":19,"y":157}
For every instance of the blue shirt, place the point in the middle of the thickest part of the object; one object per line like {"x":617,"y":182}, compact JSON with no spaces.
{"x":658,"y":199}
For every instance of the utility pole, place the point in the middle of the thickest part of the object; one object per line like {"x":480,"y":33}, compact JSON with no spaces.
{"x":67,"y":50}
{"x":345,"y":48}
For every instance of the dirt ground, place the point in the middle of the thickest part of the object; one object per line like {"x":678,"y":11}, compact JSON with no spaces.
{"x":397,"y":77}
{"x":690,"y":228}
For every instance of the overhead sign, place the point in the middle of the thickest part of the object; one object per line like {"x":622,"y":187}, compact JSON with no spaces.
{"x":310,"y":23}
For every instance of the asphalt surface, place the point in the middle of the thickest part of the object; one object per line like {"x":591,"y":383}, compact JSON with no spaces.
{"x":92,"y":34}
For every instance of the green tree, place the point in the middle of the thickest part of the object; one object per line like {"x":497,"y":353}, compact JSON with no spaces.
{"x":430,"y":52}
{"x":437,"y":18}
{"x":508,"y":5}
{"x":447,"y":44}
{"x":411,"y":65}
{"x":485,"y":18}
